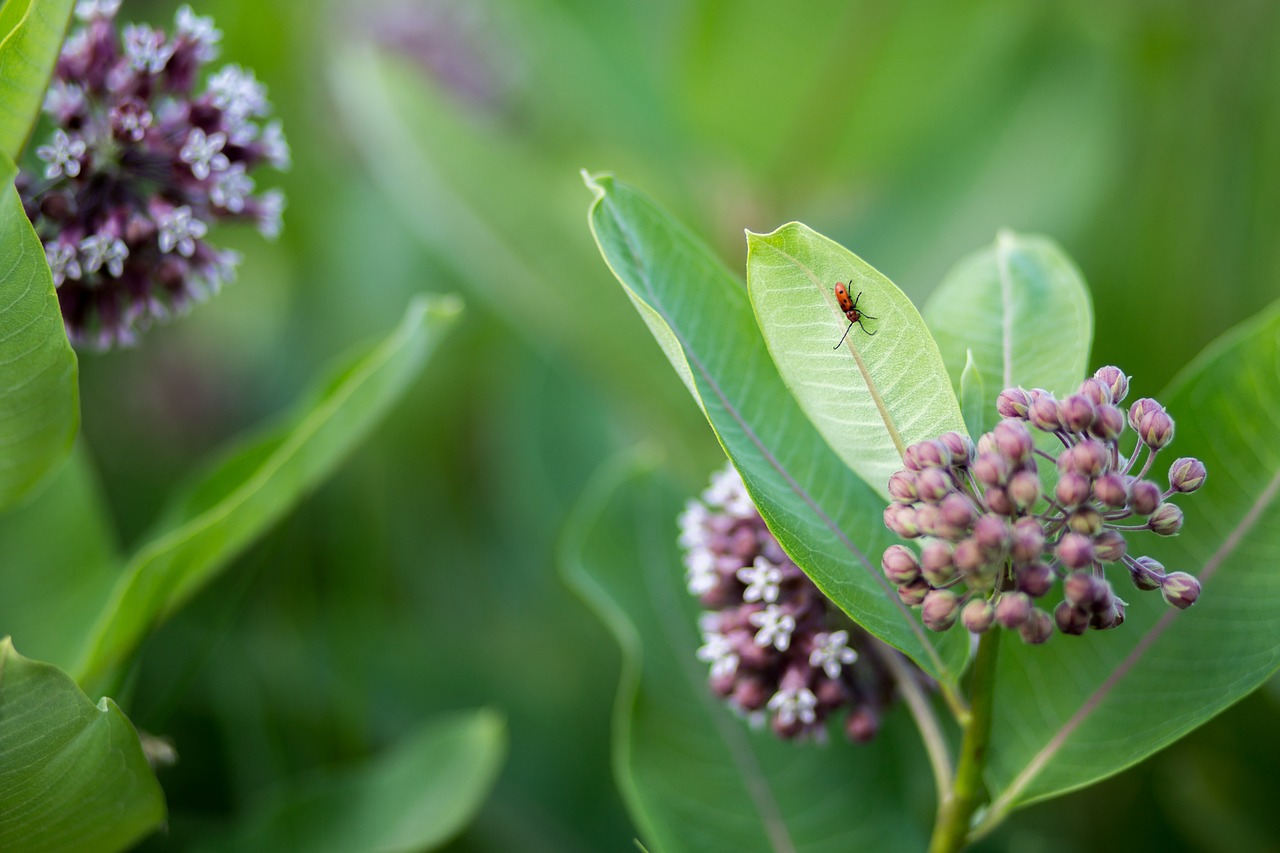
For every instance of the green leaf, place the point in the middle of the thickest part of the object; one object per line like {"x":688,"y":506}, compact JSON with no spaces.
{"x":39,"y":399}
{"x":72,"y":773}
{"x":33,"y":32}
{"x":978,"y":416}
{"x":1023,"y":309}
{"x":1080,"y":709}
{"x":876,"y":394}
{"x":258,"y":482}
{"x":826,"y":518}
{"x":694,"y":776}
{"x":421,"y":792}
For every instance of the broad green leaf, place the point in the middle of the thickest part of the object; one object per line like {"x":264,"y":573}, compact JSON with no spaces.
{"x":828,"y":520}
{"x":258,"y":482}
{"x":875,"y":394}
{"x":694,"y":776}
{"x":55,"y":581}
{"x":1022,"y":308}
{"x":32,"y":38}
{"x":72,"y":773}
{"x":1083,"y":708}
{"x":39,"y":399}
{"x":417,"y":795}
{"x":978,"y":416}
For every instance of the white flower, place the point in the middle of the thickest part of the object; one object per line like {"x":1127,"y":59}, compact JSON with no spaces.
{"x":145,"y":48}
{"x":179,"y":229}
{"x":693,"y":530}
{"x":237,"y":93}
{"x":64,"y":262}
{"x":131,"y":120}
{"x":701,"y":576}
{"x":101,"y":250}
{"x":198,"y":30}
{"x":89,"y":9}
{"x":728,"y":492}
{"x":270,"y":213}
{"x":204,"y":153}
{"x":775,"y":626}
{"x":792,"y":703}
{"x":63,"y":99}
{"x":231,"y":188}
{"x":762,"y":579}
{"x":274,"y":147}
{"x":63,"y":155}
{"x":717,"y":650}
{"x":831,"y":651}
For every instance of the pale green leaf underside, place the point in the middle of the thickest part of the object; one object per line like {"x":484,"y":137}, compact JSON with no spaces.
{"x":978,"y":415}
{"x":258,"y":481}
{"x":1022,"y":308}
{"x":72,"y":773}
{"x":414,"y":797}
{"x":694,"y":776}
{"x":33,"y":32}
{"x":828,"y":519}
{"x":791,"y":274}
{"x":39,"y":398}
{"x":1081,"y":709}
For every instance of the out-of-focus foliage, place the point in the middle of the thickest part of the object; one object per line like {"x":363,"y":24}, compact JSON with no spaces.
{"x":1145,"y":139}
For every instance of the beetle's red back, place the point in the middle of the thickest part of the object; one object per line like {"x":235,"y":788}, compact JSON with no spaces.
{"x":842,"y":297}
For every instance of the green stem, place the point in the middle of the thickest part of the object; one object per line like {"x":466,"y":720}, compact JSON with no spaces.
{"x":956,"y":810}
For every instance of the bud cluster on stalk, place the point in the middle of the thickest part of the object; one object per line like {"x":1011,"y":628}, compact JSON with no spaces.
{"x":996,"y":537}
{"x":779,"y":651}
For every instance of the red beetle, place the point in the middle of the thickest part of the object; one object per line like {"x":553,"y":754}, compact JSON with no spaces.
{"x":850,"y":309}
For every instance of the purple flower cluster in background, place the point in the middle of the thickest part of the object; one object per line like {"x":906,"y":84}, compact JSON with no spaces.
{"x":778,"y":650}
{"x":993,"y":541}
{"x":139,"y":165}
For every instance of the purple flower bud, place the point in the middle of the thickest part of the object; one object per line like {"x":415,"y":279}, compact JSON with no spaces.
{"x":928,"y":519}
{"x":1037,"y":629}
{"x":1086,"y":520}
{"x":750,"y":693}
{"x":1072,"y":489}
{"x":1144,"y":497}
{"x":932,"y":454}
{"x":862,"y":724}
{"x":1097,"y":391}
{"x":1089,"y":457}
{"x":1084,"y":590}
{"x":1186,"y":474}
{"x":912,"y":594}
{"x":997,"y":500}
{"x":1166,"y":520}
{"x":1043,"y":412}
{"x":1027,"y":540}
{"x":986,"y":444}
{"x":1076,"y":413}
{"x":1013,"y":439}
{"x":992,"y":535}
{"x":934,"y":484}
{"x":991,"y":469}
{"x":1013,"y":403}
{"x":956,"y":511}
{"x":1180,"y":589}
{"x":1071,"y":620}
{"x":902,"y":487}
{"x":1111,"y":490}
{"x":1075,"y":550}
{"x":1140,"y":409}
{"x":968,"y":557}
{"x":1013,"y":609}
{"x":1146,"y":573}
{"x":1035,"y":579}
{"x":940,"y":609}
{"x":1116,"y":380}
{"x":901,"y":519}
{"x":1108,"y":423}
{"x":911,"y":458}
{"x":1110,"y":546}
{"x":830,"y":694}
{"x":961,"y":447}
{"x":1024,"y":489}
{"x":935,"y":563}
{"x":1156,"y":429}
{"x":978,"y":615}
{"x":900,"y":565}
{"x":1110,"y":615}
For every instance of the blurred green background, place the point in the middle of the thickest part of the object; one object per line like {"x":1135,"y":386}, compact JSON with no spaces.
{"x":437,"y":147}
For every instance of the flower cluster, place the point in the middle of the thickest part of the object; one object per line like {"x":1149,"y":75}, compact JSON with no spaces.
{"x":139,"y":165}
{"x":778,"y":650}
{"x":993,"y":541}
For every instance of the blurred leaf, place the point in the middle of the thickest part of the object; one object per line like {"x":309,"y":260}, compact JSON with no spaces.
{"x":694,"y":776}
{"x":1022,"y":309}
{"x":973,"y":398}
{"x":422,"y":791}
{"x":1081,"y":709}
{"x":55,"y":581}
{"x":33,"y":30}
{"x":895,"y":381}
{"x":259,"y":481}
{"x":828,"y":520}
{"x":40,"y":412}
{"x":72,"y":774}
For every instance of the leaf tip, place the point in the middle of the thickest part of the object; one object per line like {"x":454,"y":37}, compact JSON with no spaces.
{"x":597,"y":182}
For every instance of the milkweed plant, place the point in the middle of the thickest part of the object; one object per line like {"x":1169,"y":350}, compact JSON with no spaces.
{"x":952,"y":508}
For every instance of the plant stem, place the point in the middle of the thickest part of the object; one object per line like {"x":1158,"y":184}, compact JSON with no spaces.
{"x":957,"y":808}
